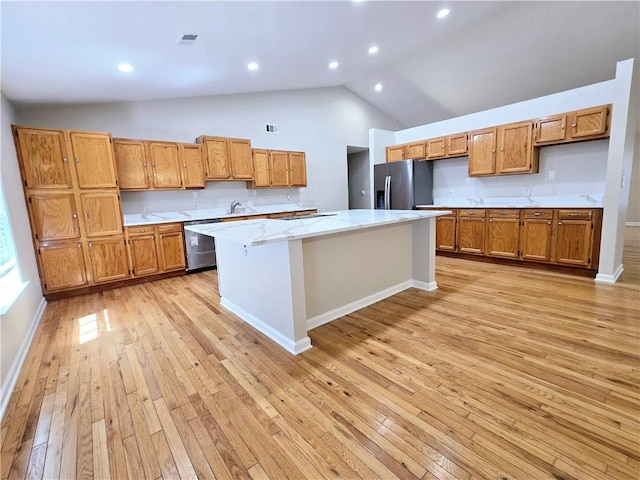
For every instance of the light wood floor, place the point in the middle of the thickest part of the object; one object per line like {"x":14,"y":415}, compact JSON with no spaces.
{"x":502,"y":373}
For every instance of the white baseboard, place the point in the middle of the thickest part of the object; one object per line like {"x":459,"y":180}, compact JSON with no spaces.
{"x":357,"y":305}
{"x":428,"y":286}
{"x":12,"y":376}
{"x":632,"y":224}
{"x":606,"y":278}
{"x":289,"y":345}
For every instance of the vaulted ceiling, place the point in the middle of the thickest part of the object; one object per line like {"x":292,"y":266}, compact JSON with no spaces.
{"x":482,"y":55}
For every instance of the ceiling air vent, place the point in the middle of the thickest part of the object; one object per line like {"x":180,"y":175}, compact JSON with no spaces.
{"x":271,"y":128}
{"x":187,"y":39}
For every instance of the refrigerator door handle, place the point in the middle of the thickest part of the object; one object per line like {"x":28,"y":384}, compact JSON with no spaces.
{"x":387,"y":192}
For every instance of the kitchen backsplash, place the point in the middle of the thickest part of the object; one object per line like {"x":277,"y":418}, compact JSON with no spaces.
{"x":216,"y":195}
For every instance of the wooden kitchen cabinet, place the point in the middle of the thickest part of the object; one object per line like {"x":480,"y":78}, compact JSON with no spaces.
{"x":191,"y":156}
{"x":227,"y":158}
{"x":471,"y":231}
{"x":482,"y":152}
{"x":54,"y":216}
{"x":574,"y":237}
{"x":516,"y":153}
{"x":93,"y":160}
{"x":457,"y":145}
{"x":586,"y":124}
{"x":101,"y":213}
{"x":62,"y":266}
{"x":156,"y":248}
{"x":279,"y":165}
{"x":108,"y":259}
{"x":43,"y":157}
{"x":536,"y":235}
{"x":279,"y":169}
{"x":131,"y":164}
{"x":165,"y":165}
{"x":297,"y":169}
{"x":436,"y":148}
{"x":503,"y":233}
{"x":415,"y":151}
{"x":261,"y":169}
{"x":446,"y":232}
{"x":395,"y":153}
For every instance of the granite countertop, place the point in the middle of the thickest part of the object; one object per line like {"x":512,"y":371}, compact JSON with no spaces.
{"x":565,"y":201}
{"x":137,"y":219}
{"x":258,"y":232}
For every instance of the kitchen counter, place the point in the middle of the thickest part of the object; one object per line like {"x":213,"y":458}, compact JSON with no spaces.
{"x":287,"y":277}
{"x":561,"y":201}
{"x":135,"y":219}
{"x":258,"y":232}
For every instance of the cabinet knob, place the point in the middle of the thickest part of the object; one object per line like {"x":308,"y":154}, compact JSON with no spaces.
{"x":502,"y":149}
{"x":144,"y":164}
{"x":90,"y":244}
{"x":86,"y":215}
{"x":79,"y":245}
{"x":75,"y":215}
{"x":64,"y":160}
{"x":490,"y":221}
{"x":574,"y":125}
{"x":493,"y":151}
{"x":562,"y":127}
{"x":548,"y":223}
{"x":184,"y":165}
{"x":537,"y":214}
{"x":77,"y":160}
{"x":559,"y":223}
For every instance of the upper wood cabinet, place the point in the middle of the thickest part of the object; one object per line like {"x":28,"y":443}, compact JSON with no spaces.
{"x":54,"y":216}
{"x":165,"y":165}
{"x":227,"y":158}
{"x":102,"y":214}
{"x":279,"y":169}
{"x":395,"y":153}
{"x":586,"y":124}
{"x":482,"y":152}
{"x":503,"y":150}
{"x":456,"y":145}
{"x":44,"y":160}
{"x":192,"y":159}
{"x":430,"y":149}
{"x":436,"y":148}
{"x":415,"y":151}
{"x":93,"y":160}
{"x":131,"y":164}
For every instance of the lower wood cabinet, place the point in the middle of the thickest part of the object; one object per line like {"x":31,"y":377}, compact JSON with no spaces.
{"x":155,"y":249}
{"x":567,"y":237}
{"x":62,"y":265}
{"x":108,"y":259}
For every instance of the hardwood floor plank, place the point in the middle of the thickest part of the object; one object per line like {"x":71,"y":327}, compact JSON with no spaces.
{"x":501,"y":373}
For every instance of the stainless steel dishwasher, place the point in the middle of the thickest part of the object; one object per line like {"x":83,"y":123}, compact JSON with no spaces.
{"x":201,"y":249}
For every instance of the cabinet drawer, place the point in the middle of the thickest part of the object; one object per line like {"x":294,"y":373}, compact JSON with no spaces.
{"x":533,"y":213}
{"x":504,"y":213}
{"x":472,"y":212}
{"x":575,"y":214}
{"x":234,"y":219}
{"x":305,"y":212}
{"x":140,"y":230}
{"x":169,"y":228}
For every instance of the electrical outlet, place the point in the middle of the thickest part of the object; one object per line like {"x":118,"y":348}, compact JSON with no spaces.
{"x":551,"y":175}
{"x":195,"y":195}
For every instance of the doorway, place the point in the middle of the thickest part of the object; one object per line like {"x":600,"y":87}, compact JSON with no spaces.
{"x":359,"y":177}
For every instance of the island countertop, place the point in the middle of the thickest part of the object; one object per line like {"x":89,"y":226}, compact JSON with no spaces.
{"x":259,"y":232}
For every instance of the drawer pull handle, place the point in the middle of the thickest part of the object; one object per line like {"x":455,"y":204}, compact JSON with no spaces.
{"x":141,"y":231}
{"x":537,"y":214}
{"x":574,"y":214}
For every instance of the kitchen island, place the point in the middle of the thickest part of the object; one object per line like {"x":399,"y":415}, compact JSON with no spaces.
{"x":285,"y":277}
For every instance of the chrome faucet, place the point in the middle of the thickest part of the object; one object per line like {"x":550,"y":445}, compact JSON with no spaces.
{"x":234,"y":204}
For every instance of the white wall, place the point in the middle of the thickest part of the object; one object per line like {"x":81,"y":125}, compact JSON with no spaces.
{"x":320,"y":122}
{"x":633,"y":213}
{"x":16,"y":326}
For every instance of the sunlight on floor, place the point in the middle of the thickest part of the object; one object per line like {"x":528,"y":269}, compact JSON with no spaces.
{"x":107,"y":324}
{"x":88,"y":328}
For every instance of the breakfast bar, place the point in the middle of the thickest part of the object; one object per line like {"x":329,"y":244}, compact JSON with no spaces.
{"x":288,"y":276}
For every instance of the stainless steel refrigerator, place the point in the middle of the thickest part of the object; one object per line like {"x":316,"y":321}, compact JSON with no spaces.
{"x":403,"y":185}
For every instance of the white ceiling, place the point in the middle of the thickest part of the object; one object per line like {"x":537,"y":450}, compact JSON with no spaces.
{"x":484,"y":54}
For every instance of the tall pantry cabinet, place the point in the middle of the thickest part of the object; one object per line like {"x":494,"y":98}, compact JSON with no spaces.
{"x":72,"y":195}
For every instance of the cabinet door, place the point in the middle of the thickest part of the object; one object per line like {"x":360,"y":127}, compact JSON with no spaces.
{"x":55,"y":216}
{"x":261,"y":172}
{"x":172,"y":251}
{"x":503,"y":236}
{"x":217,"y":164}
{"x":471,"y":232}
{"x":93,"y":159}
{"x":589,"y":122}
{"x":165,"y":165}
{"x":297,"y":169}
{"x":62,"y":265}
{"x":279,"y":164}
{"x":131,"y":164}
{"x":416,"y":150}
{"x":482,"y":152}
{"x":535,"y":243}
{"x":241,"y":160}
{"x":446,"y":233}
{"x":144,"y":254}
{"x":573,"y":242}
{"x":456,"y":145}
{"x":191,"y":156}
{"x":551,"y":129}
{"x":108,"y":260}
{"x":436,"y":148}
{"x":514,"y":148}
{"x":395,"y":153}
{"x":44,"y":158}
{"x":101,"y":213}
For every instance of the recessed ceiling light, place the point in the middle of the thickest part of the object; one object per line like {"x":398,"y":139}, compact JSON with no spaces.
{"x":125,"y":67}
{"x":333,"y":65}
{"x":252,"y":66}
{"x":373,"y":50}
{"x":443,"y":13}
{"x":378,"y":87}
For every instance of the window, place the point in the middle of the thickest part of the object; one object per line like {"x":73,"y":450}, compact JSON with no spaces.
{"x":10,"y":283}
